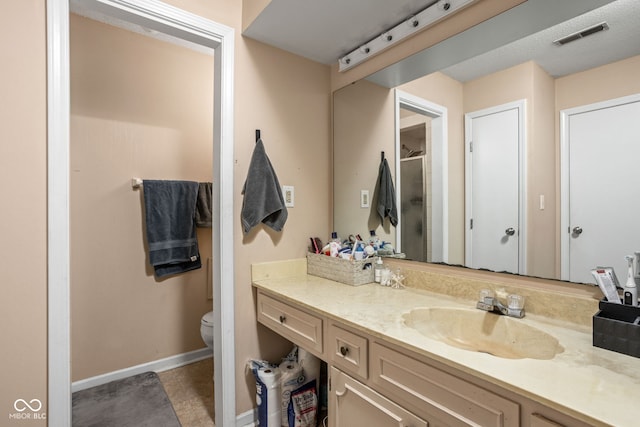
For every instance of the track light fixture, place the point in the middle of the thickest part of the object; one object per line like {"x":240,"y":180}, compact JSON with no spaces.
{"x":411,"y":25}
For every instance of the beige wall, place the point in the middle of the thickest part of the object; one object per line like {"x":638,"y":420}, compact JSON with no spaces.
{"x":361,"y":131}
{"x":23,"y":220}
{"x":251,"y":9}
{"x":364,"y":126}
{"x":609,"y":81}
{"x":144,"y":108}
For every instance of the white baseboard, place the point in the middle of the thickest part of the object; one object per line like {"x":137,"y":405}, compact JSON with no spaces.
{"x":155,"y":366}
{"x":247,"y":419}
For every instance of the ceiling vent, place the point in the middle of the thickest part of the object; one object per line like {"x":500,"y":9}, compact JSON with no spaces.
{"x":582,"y":33}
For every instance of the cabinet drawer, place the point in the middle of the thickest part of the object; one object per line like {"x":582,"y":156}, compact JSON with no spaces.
{"x":301,"y":328}
{"x":348,"y":351}
{"x":435,"y":393}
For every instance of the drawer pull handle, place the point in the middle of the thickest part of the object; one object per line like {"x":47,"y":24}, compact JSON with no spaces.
{"x":282,"y":318}
{"x":344,"y":350}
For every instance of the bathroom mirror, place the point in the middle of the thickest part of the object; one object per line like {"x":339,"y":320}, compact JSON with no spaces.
{"x":367,"y":111}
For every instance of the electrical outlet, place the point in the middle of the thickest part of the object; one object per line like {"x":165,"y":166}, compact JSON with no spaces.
{"x":364,"y":198}
{"x":287,"y":192}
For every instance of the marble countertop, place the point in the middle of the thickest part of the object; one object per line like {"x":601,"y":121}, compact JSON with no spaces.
{"x":601,"y":384}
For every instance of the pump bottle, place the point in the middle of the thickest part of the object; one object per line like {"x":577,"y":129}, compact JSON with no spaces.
{"x":630,"y":291}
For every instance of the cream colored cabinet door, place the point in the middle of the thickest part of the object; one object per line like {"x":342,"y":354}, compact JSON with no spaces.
{"x":353,"y":404}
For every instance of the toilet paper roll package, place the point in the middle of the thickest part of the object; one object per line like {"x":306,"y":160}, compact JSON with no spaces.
{"x":291,"y":378}
{"x":267,"y":393}
{"x":310,"y":366}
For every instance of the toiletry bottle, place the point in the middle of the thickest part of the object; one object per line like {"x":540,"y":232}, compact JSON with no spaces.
{"x":377,"y":272}
{"x":373,"y":240}
{"x":630,"y":292}
{"x":335,"y":238}
{"x":358,"y":251}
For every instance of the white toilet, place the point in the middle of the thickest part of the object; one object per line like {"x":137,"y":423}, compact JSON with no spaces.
{"x":206,"y":329}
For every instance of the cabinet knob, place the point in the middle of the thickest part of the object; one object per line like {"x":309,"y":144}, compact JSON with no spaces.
{"x":344,"y":350}
{"x":283,"y":318}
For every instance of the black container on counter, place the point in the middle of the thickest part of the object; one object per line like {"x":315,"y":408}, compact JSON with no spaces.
{"x":616,"y":327}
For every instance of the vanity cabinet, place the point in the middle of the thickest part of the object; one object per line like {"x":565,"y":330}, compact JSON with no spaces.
{"x":374,"y":382}
{"x":352,"y":403}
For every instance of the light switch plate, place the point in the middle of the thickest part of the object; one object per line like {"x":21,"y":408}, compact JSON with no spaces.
{"x":364,"y":198}
{"x":287,"y":192}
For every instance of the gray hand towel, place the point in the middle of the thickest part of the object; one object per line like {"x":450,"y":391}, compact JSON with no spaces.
{"x":203,"y":205}
{"x":170,"y":223}
{"x":263,"y":201}
{"x":386,"y":195}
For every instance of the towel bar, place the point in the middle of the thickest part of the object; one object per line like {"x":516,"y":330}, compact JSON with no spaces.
{"x":136,"y":183}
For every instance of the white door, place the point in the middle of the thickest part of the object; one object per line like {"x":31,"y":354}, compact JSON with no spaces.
{"x":600,"y":188}
{"x":494,"y":189}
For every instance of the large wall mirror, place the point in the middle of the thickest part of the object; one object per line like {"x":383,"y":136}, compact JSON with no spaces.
{"x":503,"y":207}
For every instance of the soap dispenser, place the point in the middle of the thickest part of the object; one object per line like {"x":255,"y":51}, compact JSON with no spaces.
{"x":630,"y":291}
{"x":377,"y":272}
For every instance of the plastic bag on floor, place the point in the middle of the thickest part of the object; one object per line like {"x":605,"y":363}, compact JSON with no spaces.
{"x":303,"y":406}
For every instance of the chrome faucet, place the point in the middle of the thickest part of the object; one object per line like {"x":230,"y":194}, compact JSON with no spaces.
{"x":493,"y":305}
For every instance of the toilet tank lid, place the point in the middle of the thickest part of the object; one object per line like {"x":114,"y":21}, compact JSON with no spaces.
{"x":207,"y":319}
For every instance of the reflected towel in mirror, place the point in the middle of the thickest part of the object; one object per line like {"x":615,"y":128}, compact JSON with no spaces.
{"x":386,"y":195}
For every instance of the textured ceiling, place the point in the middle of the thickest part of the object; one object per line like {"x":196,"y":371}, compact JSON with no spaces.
{"x":622,"y":40}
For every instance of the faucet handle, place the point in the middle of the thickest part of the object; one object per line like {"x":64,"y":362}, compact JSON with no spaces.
{"x":487,"y":294}
{"x":515,"y":301}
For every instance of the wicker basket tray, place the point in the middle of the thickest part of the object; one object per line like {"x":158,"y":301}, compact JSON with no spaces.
{"x":341,"y":270}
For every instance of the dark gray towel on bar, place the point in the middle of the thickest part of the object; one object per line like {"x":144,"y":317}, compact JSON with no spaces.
{"x":263,"y":201}
{"x":203,"y":205}
{"x":171,"y":228}
{"x":386,"y":195}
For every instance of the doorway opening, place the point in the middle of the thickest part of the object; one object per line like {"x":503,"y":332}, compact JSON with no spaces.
{"x":177,"y":25}
{"x":421,"y":178}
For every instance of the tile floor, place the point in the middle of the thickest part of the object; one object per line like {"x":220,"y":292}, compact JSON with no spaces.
{"x":190,"y":389}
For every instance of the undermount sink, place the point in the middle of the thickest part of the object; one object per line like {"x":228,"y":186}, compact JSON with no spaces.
{"x":476,"y":330}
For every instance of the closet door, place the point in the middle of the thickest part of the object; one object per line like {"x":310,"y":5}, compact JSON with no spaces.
{"x":601,"y":148}
{"x":493,"y":189}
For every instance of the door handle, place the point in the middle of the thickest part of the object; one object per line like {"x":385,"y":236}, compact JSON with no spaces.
{"x":510,"y":231}
{"x":577,"y":231}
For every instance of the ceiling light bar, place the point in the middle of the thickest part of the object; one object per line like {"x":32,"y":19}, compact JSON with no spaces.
{"x":413,"y":24}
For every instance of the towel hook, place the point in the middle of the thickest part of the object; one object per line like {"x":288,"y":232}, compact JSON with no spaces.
{"x":257,"y":135}
{"x":381,"y":155}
